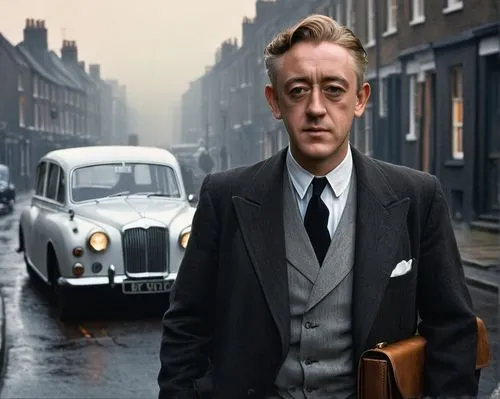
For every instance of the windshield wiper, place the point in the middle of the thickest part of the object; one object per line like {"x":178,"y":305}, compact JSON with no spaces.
{"x":120,"y":194}
{"x":159,"y":195}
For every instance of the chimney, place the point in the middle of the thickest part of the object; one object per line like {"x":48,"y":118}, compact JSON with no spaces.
{"x":264,"y":9}
{"x":95,"y":71}
{"x":35,"y":34}
{"x":69,"y":52}
{"x":248,"y":30}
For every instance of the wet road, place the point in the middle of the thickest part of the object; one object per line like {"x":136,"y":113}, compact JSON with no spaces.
{"x":112,"y":354}
{"x":485,"y":305}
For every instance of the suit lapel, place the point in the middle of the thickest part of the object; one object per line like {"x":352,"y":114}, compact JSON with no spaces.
{"x":380,"y":218}
{"x":299,"y":250}
{"x":338,"y":260}
{"x":260,"y":215}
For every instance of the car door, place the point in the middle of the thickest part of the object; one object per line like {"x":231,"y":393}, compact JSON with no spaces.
{"x":43,"y":226}
{"x":32,"y":236}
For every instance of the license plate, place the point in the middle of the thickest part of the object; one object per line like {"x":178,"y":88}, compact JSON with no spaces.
{"x":146,"y":286}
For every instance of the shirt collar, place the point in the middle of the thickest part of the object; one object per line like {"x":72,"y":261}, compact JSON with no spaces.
{"x":338,"y":178}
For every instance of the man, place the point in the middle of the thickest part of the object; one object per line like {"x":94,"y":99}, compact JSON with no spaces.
{"x":299,"y":263}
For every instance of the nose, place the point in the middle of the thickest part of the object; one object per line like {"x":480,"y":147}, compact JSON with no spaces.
{"x":316,"y":106}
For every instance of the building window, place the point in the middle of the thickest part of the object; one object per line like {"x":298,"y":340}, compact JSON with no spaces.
{"x":457,"y":113}
{"x":453,"y":5}
{"x":392,"y":17}
{"x":414,"y":103}
{"x":349,"y":15}
{"x":383,"y":91}
{"x":22,"y":121}
{"x":37,"y":116}
{"x":417,"y":12}
{"x":339,"y":13}
{"x":20,"y":82}
{"x":370,"y":26}
{"x":35,"y":86}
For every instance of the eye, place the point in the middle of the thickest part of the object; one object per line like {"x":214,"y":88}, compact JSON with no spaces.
{"x":334,"y":90}
{"x":297,"y":91}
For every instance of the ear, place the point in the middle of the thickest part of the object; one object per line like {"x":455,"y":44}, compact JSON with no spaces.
{"x":272,"y":100}
{"x":362,"y":98}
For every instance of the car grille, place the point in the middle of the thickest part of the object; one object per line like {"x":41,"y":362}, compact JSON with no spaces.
{"x":145,"y":250}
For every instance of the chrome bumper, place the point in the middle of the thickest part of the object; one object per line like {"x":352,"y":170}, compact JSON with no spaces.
{"x":110,"y":280}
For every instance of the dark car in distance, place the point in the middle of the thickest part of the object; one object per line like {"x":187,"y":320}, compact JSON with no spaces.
{"x":7,"y":190}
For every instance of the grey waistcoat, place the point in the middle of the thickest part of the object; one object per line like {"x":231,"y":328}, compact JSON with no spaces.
{"x":319,"y":363}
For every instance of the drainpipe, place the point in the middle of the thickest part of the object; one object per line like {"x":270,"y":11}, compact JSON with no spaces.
{"x":376,"y":135}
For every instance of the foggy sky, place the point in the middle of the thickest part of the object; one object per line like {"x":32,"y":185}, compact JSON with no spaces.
{"x":155,"y":47}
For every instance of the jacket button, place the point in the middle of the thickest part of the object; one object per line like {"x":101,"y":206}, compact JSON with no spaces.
{"x":308,"y":325}
{"x":251,"y":392}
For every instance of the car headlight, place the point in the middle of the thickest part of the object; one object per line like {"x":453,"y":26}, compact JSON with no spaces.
{"x":98,"y":241}
{"x":184,"y":237}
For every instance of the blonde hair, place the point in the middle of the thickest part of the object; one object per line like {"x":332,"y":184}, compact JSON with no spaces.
{"x":316,"y":28}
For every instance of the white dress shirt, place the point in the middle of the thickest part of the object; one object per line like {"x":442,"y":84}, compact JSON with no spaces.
{"x":335,"y":193}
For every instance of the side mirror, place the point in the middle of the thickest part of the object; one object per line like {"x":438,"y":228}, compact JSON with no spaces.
{"x":192,"y":198}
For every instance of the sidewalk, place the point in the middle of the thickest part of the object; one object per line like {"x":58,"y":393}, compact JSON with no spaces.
{"x":478,"y":248}
{"x":3,"y":349}
{"x":480,"y":255}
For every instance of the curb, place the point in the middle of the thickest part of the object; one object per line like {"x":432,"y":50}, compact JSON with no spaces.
{"x":479,"y":277}
{"x":482,"y":284}
{"x":3,"y":350}
{"x":478,"y":264}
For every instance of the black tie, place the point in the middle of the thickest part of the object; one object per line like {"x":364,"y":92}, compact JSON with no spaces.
{"x":316,"y":220}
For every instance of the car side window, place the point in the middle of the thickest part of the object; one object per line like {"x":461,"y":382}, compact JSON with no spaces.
{"x":41,"y":172}
{"x":61,"y":192}
{"x":53,"y":181}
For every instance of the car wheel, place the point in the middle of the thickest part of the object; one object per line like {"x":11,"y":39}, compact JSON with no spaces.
{"x":66,"y":310}
{"x":31,"y":273}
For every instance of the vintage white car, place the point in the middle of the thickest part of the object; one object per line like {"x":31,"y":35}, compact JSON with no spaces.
{"x":114,"y":216}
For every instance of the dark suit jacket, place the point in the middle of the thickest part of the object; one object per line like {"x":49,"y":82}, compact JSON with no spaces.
{"x":227,"y":329}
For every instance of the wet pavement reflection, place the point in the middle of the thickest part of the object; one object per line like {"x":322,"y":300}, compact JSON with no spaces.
{"x":111,"y":353}
{"x":478,"y":247}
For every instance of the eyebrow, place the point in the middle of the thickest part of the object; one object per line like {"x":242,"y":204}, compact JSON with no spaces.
{"x":326,"y":79}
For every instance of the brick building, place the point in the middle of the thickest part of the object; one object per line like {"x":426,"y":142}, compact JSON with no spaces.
{"x":435,"y":75}
{"x":437,"y":97}
{"x":48,"y":102}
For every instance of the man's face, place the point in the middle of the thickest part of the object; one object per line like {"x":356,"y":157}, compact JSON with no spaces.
{"x":316,"y":94}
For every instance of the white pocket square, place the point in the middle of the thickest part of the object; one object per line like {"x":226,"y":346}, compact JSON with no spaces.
{"x":402,"y":268}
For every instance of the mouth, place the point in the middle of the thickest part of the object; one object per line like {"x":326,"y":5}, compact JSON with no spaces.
{"x":316,"y":130}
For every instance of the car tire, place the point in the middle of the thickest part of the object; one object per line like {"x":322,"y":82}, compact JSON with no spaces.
{"x":64,"y":301}
{"x":31,"y":272}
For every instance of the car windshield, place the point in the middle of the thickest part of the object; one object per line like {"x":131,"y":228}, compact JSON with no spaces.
{"x":117,"y":179}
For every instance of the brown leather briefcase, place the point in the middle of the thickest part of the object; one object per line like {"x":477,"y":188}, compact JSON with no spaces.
{"x":395,"y":371}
